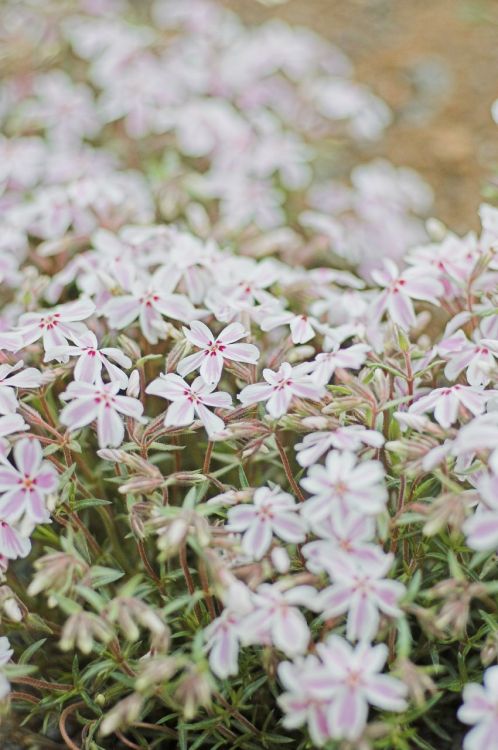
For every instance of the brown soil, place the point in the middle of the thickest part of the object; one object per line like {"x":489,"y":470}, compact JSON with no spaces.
{"x":435,"y":62}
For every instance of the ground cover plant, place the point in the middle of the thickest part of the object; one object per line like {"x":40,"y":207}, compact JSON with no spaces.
{"x":248,"y":405}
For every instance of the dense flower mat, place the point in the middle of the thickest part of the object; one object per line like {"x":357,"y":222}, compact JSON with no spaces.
{"x":248,"y":417}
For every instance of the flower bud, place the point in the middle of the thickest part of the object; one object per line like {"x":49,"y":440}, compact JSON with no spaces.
{"x":129,"y":347}
{"x":124,"y":713}
{"x":133,"y":389}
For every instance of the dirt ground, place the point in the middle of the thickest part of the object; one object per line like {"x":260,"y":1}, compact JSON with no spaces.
{"x":435,"y":62}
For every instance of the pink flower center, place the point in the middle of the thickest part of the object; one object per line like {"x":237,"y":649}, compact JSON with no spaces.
{"x":148,"y":299}
{"x":28,"y":483}
{"x":106,"y":398}
{"x":49,"y":321}
{"x":192,"y":397}
{"x":353,"y":680}
{"x":395,"y":286}
{"x":213,"y":348}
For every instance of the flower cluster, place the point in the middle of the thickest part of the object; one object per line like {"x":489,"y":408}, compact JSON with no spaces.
{"x":242,"y":471}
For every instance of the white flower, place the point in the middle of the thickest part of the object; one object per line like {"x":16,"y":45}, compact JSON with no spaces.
{"x":271,"y":512}
{"x":480,"y":708}
{"x":100,"y":401}
{"x":215,"y":350}
{"x":189,"y":400}
{"x":5,"y":656}
{"x":280,"y":388}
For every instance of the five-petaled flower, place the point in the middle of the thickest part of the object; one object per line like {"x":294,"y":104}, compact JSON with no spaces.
{"x":23,"y":487}
{"x":100,"y":401}
{"x":189,"y":400}
{"x":215,"y":350}
{"x":400,"y":289}
{"x":91,"y":360}
{"x":331,"y":691}
{"x":344,"y":482}
{"x":56,"y":327}
{"x":271,"y":512}
{"x":362,"y":590}
{"x":447,"y":402}
{"x":480,"y":708}
{"x":281,"y":387}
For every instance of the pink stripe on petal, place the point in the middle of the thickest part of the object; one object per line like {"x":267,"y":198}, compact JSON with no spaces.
{"x":28,"y":456}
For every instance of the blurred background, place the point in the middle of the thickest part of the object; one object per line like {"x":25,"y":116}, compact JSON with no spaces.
{"x":435,"y":62}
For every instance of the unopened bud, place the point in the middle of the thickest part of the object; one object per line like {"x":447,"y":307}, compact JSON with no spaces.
{"x":129,"y":347}
{"x":124,"y":713}
{"x":133,"y":389}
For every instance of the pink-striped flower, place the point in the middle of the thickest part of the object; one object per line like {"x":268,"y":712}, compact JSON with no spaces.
{"x":13,"y":377}
{"x":222,"y":636}
{"x":281,"y":387}
{"x":91,"y":360}
{"x":277,"y":620}
{"x":354,"y":683}
{"x":478,"y":358}
{"x":5,"y":656}
{"x":12,"y":543}
{"x":345,"y":483}
{"x":400,"y":289}
{"x":100,"y":401}
{"x":481,"y":529}
{"x":363,"y":592}
{"x":326,"y":363}
{"x":189,"y":400}
{"x":480,"y":709}
{"x":215,"y":350}
{"x":271,"y":512}
{"x":305,"y":700}
{"x":23,"y":487}
{"x":349,"y":438}
{"x":301,"y":326}
{"x":148,"y":304}
{"x":56,"y":327}
{"x":331,"y":691}
{"x":342,"y":534}
{"x":447,"y":402}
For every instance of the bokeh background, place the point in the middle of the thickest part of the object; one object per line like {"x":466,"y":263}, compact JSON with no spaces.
{"x":435,"y":62}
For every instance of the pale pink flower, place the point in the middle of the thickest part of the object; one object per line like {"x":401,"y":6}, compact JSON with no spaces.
{"x":326,"y":363}
{"x":305,"y":700}
{"x":302,"y":327}
{"x":91,"y":360}
{"x":5,"y":656}
{"x":447,"y":402}
{"x":23,"y":487}
{"x":12,"y":543}
{"x":480,"y":708}
{"x":356,"y":682}
{"x":58,"y":326}
{"x":346,"y":483}
{"x":400,"y":289}
{"x":363,"y":592}
{"x":102,"y":402}
{"x":481,"y":529}
{"x":281,"y":387}
{"x":189,"y":400}
{"x":148,"y":304}
{"x":477,"y":358}
{"x":215,"y":350}
{"x":276,"y":619}
{"x":222,"y":642}
{"x":342,"y":534}
{"x":222,"y":636}
{"x":271,"y":512}
{"x":13,"y":377}
{"x":349,"y":438}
